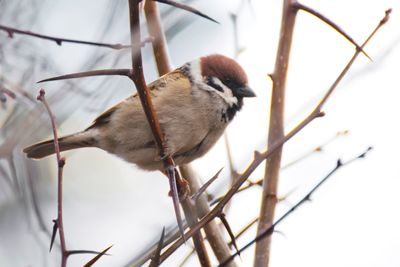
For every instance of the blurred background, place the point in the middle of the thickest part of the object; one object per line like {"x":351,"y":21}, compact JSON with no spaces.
{"x":351,"y":221}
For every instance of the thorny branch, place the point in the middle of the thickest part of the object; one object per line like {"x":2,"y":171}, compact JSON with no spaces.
{"x":260,"y":157}
{"x":58,"y":223}
{"x":58,"y":40}
{"x":275,"y":130}
{"x":307,"y":197}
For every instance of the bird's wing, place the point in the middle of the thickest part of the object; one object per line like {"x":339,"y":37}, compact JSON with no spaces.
{"x":155,"y":87}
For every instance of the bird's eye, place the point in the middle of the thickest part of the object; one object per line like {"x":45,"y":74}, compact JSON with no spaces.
{"x":210,"y":82}
{"x":229,"y":82}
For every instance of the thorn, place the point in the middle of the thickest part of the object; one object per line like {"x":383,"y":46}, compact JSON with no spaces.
{"x":155,"y":260}
{"x":175,"y":199}
{"x":271,"y":76}
{"x":53,"y":234}
{"x":257,"y":154}
{"x":339,"y":163}
{"x":202,"y":189}
{"x":98,"y":256}
{"x":229,"y":230}
{"x":321,"y":114}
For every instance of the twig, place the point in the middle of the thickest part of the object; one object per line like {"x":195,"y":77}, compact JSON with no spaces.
{"x":260,"y":157}
{"x":97,"y":257}
{"x":329,"y":22}
{"x":307,"y":197}
{"x":60,"y":163}
{"x":187,"y":8}
{"x":106,"y":72}
{"x":58,"y":40}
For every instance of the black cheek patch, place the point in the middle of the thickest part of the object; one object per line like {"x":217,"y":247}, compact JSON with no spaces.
{"x":211,"y":83}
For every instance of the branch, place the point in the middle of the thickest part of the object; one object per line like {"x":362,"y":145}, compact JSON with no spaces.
{"x":200,"y":205}
{"x":307,"y":197}
{"x":320,"y":16}
{"x":58,"y":40}
{"x":60,"y":163}
{"x":106,"y":72}
{"x":187,"y":8}
{"x":276,"y":130}
{"x":260,"y":157}
{"x":144,"y":94}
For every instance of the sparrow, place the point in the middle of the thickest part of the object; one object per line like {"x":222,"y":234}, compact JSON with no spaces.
{"x":194,"y":104}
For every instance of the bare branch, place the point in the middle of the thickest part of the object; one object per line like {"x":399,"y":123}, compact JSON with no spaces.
{"x":60,"y":165}
{"x":306,"y":198}
{"x":187,"y":8}
{"x":106,"y":72}
{"x":330,"y":23}
{"x":316,"y":113}
{"x":58,"y":40}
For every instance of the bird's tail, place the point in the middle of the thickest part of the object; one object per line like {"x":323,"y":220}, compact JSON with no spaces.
{"x":46,"y":148}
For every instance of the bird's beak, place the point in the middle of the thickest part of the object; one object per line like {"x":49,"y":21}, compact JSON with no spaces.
{"x":245,"y":92}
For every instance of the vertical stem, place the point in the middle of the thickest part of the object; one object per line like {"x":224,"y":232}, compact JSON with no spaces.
{"x":214,"y":235}
{"x":276,"y":132}
{"x":60,"y":164}
{"x":160,"y":49}
{"x":64,"y":253}
{"x":143,"y":91}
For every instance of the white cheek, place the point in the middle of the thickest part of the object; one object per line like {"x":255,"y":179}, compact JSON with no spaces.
{"x":226,"y":94}
{"x":195,"y":71}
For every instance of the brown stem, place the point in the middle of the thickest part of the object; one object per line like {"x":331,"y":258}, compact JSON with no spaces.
{"x":60,"y":165}
{"x":160,"y":49}
{"x":260,"y":157}
{"x":214,"y":235}
{"x":11,"y":31}
{"x":276,"y":132}
{"x":138,"y":78}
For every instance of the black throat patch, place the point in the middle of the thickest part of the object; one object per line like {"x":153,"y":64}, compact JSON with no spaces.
{"x":229,"y":113}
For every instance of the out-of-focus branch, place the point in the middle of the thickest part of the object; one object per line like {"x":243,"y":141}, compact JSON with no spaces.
{"x":260,"y":157}
{"x":160,"y":49}
{"x":307,"y":197}
{"x":276,"y":131}
{"x":12,"y":31}
{"x":58,"y":223}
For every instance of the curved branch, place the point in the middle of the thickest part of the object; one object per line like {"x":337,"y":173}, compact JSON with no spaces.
{"x":106,"y":72}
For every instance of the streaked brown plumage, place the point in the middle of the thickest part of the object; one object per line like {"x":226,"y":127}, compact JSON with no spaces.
{"x":194,"y":104}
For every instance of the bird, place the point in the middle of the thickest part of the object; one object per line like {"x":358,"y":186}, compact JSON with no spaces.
{"x":194,"y":104}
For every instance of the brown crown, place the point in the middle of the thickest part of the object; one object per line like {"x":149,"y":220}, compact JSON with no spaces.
{"x":225,"y":69}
